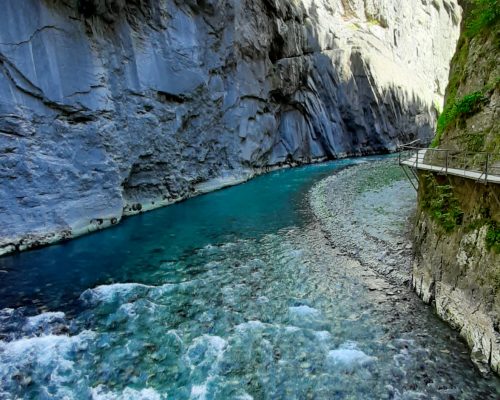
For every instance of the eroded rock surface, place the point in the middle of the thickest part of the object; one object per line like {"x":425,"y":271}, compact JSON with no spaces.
{"x":457,"y":273}
{"x":113,"y":107}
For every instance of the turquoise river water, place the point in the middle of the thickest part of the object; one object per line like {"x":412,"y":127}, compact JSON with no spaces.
{"x":231,"y":295}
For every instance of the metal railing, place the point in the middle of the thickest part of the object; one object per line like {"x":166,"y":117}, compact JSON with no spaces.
{"x":481,"y":166}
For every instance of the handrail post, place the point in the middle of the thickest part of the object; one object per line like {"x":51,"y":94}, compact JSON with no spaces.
{"x":486,"y":168}
{"x":446,"y":162}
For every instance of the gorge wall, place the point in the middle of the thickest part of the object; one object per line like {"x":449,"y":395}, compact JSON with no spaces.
{"x":113,"y":107}
{"x":457,"y":235}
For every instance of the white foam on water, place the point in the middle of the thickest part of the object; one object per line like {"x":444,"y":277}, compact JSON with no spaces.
{"x":230,"y":245}
{"x":210,"y":248}
{"x":250,"y":325}
{"x":38,"y":358}
{"x":304,"y":316}
{"x":129,"y":309}
{"x":244,"y":396}
{"x":414,"y":395}
{"x":107,"y":293}
{"x":348,"y":355}
{"x":216,"y":342}
{"x":304,"y":311}
{"x":45,"y":349}
{"x":206,"y":352}
{"x":359,"y":161}
{"x":101,"y":393}
{"x":198,"y":392}
{"x":322,"y":336}
{"x":44,"y":319}
{"x":213,"y":264}
{"x":205,"y":349}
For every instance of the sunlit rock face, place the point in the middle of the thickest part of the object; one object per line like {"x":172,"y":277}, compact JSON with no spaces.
{"x":112,"y":107}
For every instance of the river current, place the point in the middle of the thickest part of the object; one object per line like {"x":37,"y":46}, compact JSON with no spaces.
{"x":237,"y":294}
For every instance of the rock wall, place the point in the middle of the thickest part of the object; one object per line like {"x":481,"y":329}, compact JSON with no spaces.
{"x":113,"y":107}
{"x":459,"y":274}
{"x":457,"y":264}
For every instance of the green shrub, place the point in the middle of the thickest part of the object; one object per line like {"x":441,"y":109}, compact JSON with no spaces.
{"x":470,"y":103}
{"x":441,"y":204}
{"x":493,"y":237}
{"x":483,"y":14}
{"x":463,"y":108}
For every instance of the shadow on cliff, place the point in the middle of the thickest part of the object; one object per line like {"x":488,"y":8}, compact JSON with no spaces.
{"x":339,"y":116}
{"x":136,"y":12}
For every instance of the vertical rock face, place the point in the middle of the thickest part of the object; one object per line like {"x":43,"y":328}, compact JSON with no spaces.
{"x":460,"y":274}
{"x":457,"y":267}
{"x":112,"y":107}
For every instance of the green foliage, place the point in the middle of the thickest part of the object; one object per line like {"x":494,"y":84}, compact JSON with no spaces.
{"x":463,"y":108}
{"x":480,"y":17}
{"x":469,"y":104}
{"x":493,"y":237}
{"x":441,"y":204}
{"x":483,"y":14}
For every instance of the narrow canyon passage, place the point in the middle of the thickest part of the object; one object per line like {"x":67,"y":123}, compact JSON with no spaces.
{"x":290,"y":286}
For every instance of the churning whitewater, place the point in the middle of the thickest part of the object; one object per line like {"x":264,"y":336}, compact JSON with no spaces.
{"x":267,"y":290}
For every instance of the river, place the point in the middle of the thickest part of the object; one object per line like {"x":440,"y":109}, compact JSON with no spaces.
{"x":256,"y":291}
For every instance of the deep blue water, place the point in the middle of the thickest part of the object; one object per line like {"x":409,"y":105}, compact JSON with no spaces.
{"x":52,"y":277}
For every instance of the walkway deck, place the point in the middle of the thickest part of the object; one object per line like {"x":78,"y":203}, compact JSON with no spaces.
{"x":481,"y":167}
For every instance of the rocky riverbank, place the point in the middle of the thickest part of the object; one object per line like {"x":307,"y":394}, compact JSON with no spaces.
{"x":365,"y":212}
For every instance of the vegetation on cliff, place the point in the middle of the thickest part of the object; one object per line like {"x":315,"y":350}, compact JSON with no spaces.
{"x":493,"y":237}
{"x":441,"y":203}
{"x":469,"y":121}
{"x":474,"y":80}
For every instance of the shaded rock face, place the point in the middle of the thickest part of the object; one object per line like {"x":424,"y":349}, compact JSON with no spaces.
{"x":113,"y":107}
{"x":459,"y":275}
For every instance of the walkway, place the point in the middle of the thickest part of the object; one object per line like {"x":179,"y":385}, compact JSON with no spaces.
{"x":481,"y":167}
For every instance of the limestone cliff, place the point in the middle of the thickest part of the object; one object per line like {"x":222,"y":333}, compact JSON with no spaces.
{"x":457,"y":263}
{"x":113,"y":107}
